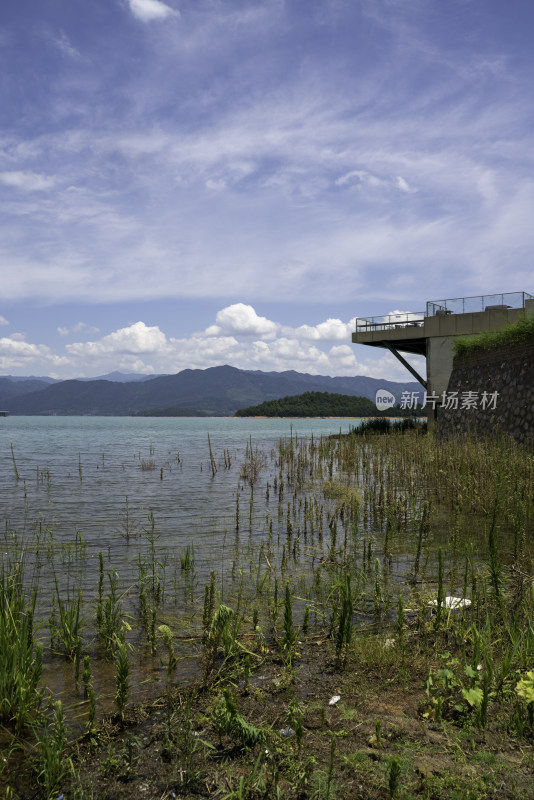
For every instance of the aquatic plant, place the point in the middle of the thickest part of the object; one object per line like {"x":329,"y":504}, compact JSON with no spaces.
{"x":344,"y":632}
{"x":66,"y":632}
{"x":52,"y":764}
{"x":228,"y":722}
{"x":122,"y":681}
{"x":290,"y":631}
{"x":20,"y":655}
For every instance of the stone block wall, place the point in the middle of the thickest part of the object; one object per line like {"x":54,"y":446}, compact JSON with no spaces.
{"x":508,"y":370}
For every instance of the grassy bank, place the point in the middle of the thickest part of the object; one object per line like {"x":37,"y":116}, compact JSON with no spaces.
{"x":520,"y":331}
{"x":319,"y":658}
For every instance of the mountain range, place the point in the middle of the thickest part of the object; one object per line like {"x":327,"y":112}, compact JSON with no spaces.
{"x":216,"y":391}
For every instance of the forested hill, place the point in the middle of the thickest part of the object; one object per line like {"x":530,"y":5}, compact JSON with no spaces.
{"x":317,"y":404}
{"x":213,"y":391}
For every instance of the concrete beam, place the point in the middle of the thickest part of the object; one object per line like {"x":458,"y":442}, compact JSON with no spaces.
{"x":406,"y":364}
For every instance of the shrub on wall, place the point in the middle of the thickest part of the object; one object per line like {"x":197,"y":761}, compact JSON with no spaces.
{"x":515,"y":332}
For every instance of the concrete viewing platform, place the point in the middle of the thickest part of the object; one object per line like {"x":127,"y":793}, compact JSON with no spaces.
{"x":431,"y":333}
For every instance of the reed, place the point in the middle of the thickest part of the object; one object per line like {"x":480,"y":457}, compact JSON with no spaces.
{"x":290,"y":632}
{"x":441,"y":593}
{"x":53,"y":765}
{"x":344,"y":632}
{"x":209,"y":605}
{"x":394,"y":778}
{"x":86,"y":677}
{"x":17,"y":476}
{"x":217,"y":632}
{"x":228,"y":722}
{"x":213,"y":463}
{"x":330,"y":773}
{"x":66,"y":632}
{"x":122,"y":677}
{"x":111,"y":614}
{"x":166,"y":636}
{"x":20,"y":655}
{"x":128,"y":527}
{"x":295,"y":718}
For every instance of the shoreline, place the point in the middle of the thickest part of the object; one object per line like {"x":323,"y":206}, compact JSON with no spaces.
{"x":259,"y":416}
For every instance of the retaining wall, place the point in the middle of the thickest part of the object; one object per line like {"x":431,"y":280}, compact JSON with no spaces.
{"x":508,"y":370}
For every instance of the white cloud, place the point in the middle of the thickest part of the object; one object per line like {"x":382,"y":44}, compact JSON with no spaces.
{"x":240,"y":337}
{"x":215,"y":185}
{"x":27,"y":181}
{"x":78,"y":328}
{"x":136,"y":339}
{"x":426,"y":177}
{"x":83,"y":326}
{"x":3,"y":320}
{"x":349,"y":177}
{"x":149,"y":10}
{"x":333,"y":330}
{"x":404,"y":316}
{"x":403,"y":185}
{"x":16,"y":354}
{"x":241,"y":320}
{"x":64,"y":45}
{"x":93,"y":243}
{"x":362,"y":178}
{"x":343,"y":357}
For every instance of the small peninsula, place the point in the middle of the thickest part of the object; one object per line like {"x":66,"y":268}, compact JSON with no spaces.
{"x":319,"y":404}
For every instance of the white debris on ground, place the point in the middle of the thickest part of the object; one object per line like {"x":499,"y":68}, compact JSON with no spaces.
{"x":452,"y":603}
{"x":333,"y":700}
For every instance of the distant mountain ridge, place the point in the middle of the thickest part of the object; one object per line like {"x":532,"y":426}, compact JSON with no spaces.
{"x":215,"y":391}
{"x":122,"y":377}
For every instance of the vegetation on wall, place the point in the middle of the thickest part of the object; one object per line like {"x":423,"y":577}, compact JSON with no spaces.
{"x":519,"y":331}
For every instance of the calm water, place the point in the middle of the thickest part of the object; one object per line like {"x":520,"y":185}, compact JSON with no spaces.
{"x":79,"y":478}
{"x":188,"y":503}
{"x":110,"y":450}
{"x":69,"y":502}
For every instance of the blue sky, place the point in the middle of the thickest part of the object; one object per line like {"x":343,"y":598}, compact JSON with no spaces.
{"x":199,"y":182}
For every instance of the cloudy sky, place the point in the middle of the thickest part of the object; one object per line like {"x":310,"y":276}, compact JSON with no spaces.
{"x":198,"y":182}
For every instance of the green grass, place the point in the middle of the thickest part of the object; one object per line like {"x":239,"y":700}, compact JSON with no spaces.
{"x":520,"y":331}
{"x":20,"y":656}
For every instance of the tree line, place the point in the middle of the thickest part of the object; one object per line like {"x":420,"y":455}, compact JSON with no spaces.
{"x":319,"y":404}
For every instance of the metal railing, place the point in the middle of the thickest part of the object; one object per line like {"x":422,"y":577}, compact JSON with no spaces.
{"x":437,"y":308}
{"x":409,"y":320}
{"x":482,"y":302}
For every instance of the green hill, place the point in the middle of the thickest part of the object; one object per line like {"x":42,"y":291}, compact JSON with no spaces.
{"x":214,"y":391}
{"x":317,"y":404}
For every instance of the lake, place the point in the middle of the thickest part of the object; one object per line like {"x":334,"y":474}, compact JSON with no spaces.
{"x":119,"y":485}
{"x":75,"y":472}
